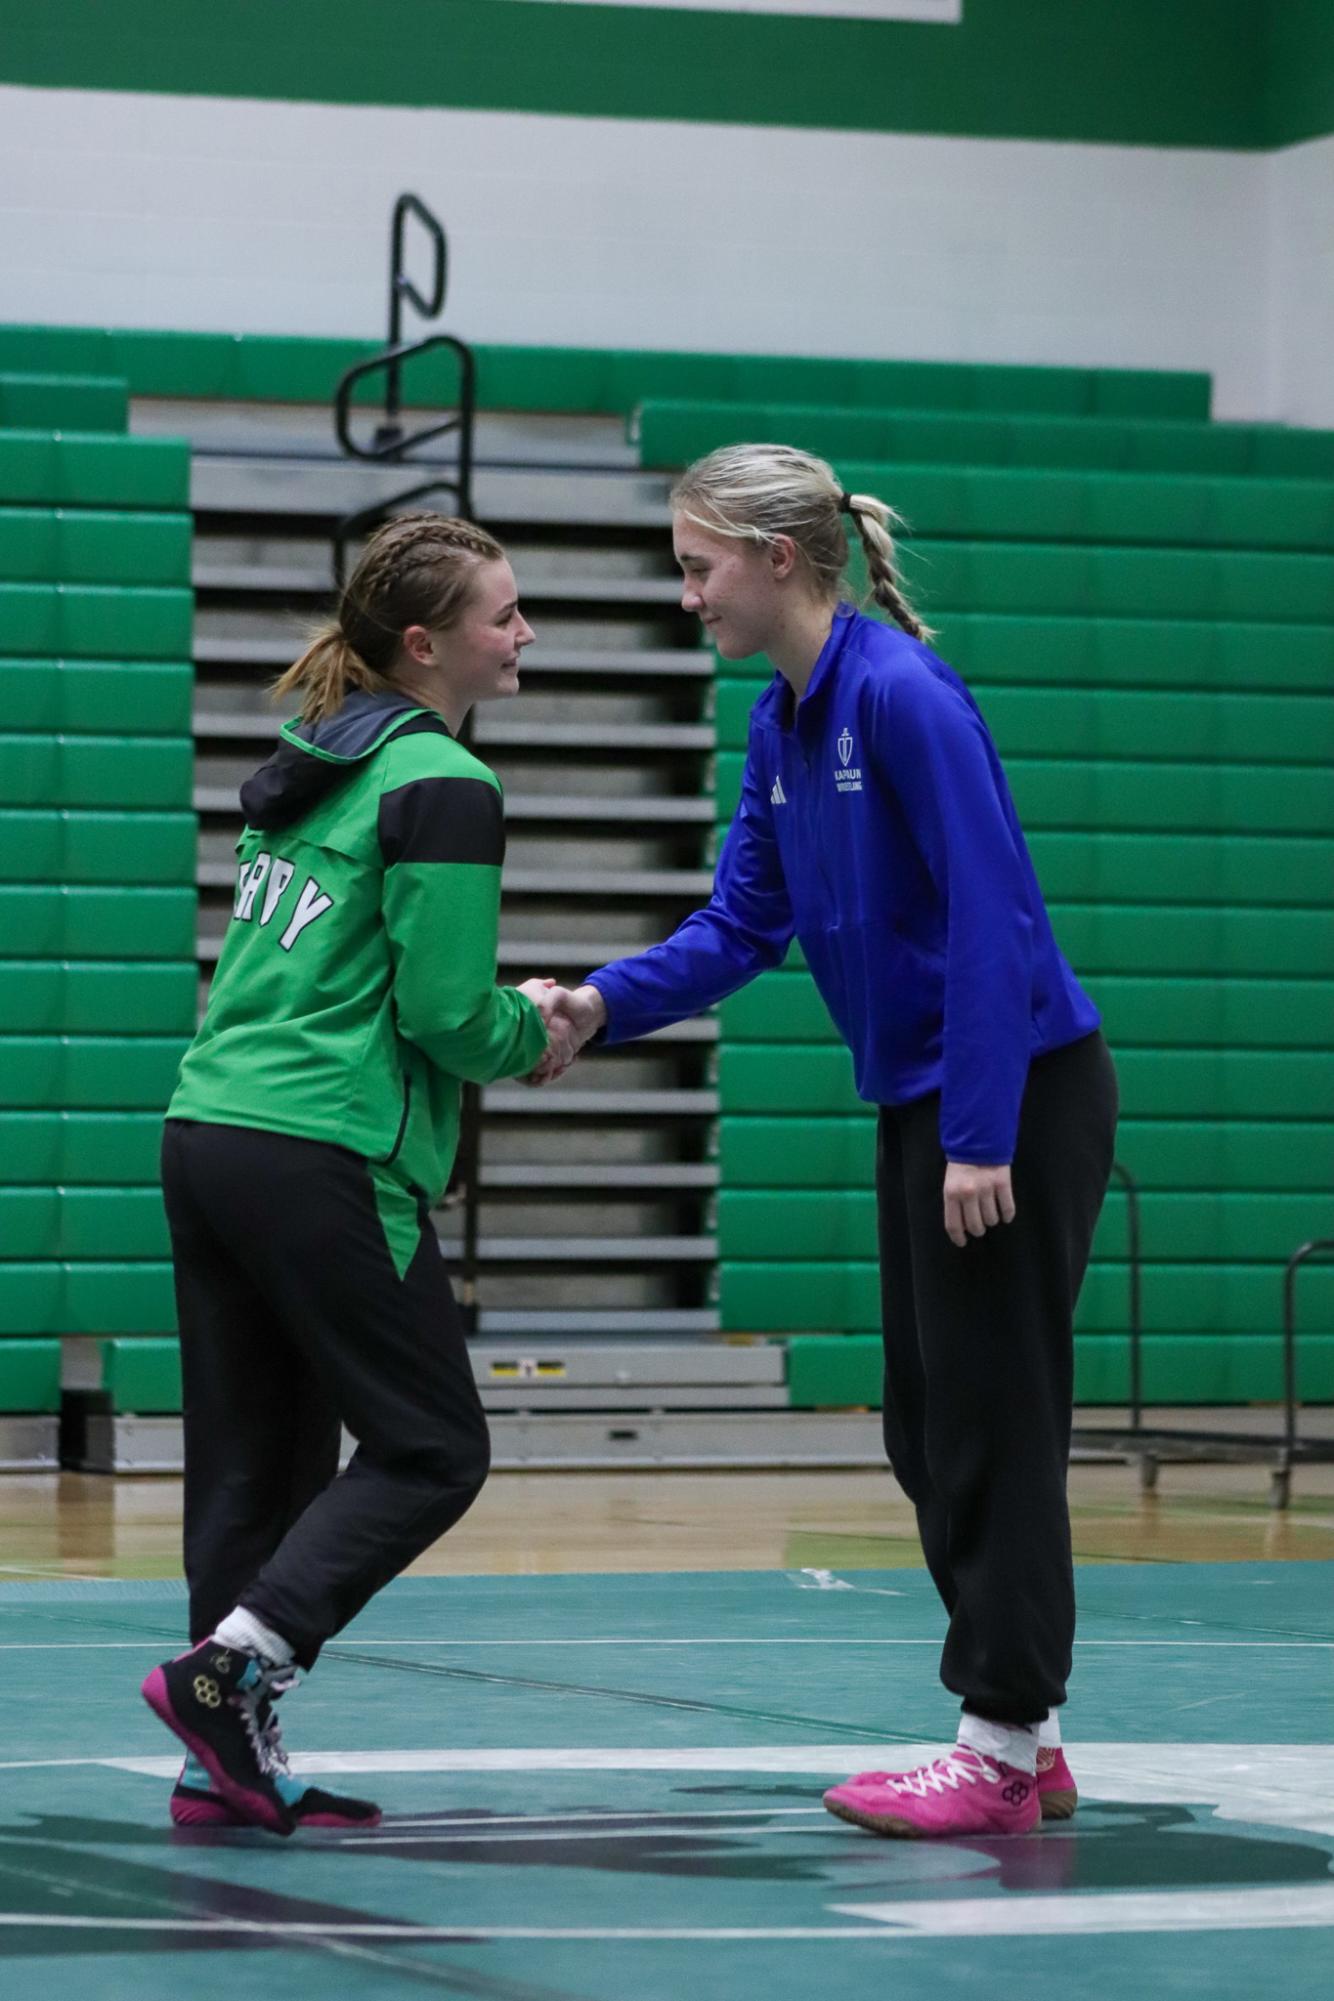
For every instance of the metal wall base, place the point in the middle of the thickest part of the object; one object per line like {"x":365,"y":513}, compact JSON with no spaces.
{"x":111,"y":1444}
{"x":29,"y":1444}
{"x":689,"y":1439}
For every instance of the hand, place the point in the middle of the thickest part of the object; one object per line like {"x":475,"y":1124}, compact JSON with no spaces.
{"x":976,"y":1200}
{"x":585,"y":1009}
{"x":572,"y":1017}
{"x":562,"y":1042}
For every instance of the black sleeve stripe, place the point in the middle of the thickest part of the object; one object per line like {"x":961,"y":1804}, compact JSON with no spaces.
{"x":442,"y":820}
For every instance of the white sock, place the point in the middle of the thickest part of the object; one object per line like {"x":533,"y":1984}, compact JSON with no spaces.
{"x":1010,"y":1743}
{"x":1049,"y":1731}
{"x":243,"y":1630}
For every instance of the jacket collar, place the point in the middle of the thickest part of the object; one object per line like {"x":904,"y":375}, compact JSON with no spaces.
{"x":776,"y":709}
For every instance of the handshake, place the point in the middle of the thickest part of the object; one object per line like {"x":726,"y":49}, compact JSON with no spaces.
{"x":572,"y":1016}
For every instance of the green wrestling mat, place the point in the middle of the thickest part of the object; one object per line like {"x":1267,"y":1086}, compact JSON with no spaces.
{"x":607,"y":1787}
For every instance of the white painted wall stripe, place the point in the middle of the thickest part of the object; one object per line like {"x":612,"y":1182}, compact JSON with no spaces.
{"x":1299,"y":283}
{"x":192,"y":212}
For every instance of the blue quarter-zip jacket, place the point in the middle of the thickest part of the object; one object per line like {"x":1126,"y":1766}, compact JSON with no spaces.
{"x":877,"y":826}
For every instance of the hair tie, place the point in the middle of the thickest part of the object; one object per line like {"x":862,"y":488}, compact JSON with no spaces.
{"x":845,"y":503}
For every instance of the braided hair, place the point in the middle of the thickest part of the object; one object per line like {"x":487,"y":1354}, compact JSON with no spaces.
{"x":754,"y":493}
{"x":415,"y":570}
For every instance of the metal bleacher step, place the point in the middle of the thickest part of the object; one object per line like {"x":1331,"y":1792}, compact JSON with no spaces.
{"x":595,"y":664}
{"x":282,"y":580}
{"x":609,"y":882}
{"x":516,"y":952}
{"x":537,"y":1321}
{"x":558,"y":1363}
{"x":666,"y":1177}
{"x":643,"y":1363}
{"x":499,"y":733}
{"x":274,"y":436}
{"x":514,"y":955}
{"x":564,"y":1101}
{"x":504,"y":496}
{"x":592,"y":1250}
{"x":579,"y":885}
{"x":634,"y":810}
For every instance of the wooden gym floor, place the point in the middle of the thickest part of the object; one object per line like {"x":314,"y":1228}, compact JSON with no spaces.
{"x":84,"y":1525}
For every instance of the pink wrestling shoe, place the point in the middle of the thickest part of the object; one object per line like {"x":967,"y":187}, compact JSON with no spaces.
{"x":1057,"y":1792}
{"x":195,"y":1804}
{"x":963,"y":1793}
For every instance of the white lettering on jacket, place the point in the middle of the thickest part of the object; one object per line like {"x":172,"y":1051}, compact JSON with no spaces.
{"x":311,"y":903}
{"x":279,"y":876}
{"x":277,"y":872}
{"x":250,"y":880}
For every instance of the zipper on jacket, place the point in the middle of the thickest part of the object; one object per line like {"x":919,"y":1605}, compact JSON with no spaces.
{"x":814,"y":797}
{"x":402,"y":1125}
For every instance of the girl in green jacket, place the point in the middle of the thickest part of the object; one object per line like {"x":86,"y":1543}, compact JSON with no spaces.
{"x":313,"y":1127}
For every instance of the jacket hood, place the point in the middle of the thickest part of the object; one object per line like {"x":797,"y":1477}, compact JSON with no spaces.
{"x":314,"y":760}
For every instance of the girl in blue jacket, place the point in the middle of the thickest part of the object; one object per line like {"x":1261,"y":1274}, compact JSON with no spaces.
{"x":876,"y":826}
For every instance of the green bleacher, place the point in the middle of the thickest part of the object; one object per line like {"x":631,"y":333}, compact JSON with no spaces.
{"x":671,"y":433}
{"x":31,"y":401}
{"x":1144,"y":613}
{"x":593,"y":381}
{"x":1143,"y":602}
{"x":97,"y":854}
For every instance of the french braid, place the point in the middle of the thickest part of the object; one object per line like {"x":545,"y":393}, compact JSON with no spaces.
{"x":873,"y":520}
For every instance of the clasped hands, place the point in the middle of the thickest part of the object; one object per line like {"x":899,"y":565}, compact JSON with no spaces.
{"x":572,"y":1016}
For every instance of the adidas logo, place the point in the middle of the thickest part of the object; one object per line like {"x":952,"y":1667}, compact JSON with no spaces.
{"x":778,"y":797}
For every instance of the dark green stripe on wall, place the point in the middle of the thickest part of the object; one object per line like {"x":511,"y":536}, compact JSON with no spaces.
{"x":1299,"y":70}
{"x":1125,"y":72}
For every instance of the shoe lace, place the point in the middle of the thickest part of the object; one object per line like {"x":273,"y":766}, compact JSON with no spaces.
{"x":947,"y":1773}
{"x":271,"y":1732}
{"x":260,"y":1720}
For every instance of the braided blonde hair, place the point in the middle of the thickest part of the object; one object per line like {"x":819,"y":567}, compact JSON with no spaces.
{"x":754,"y":493}
{"x":415,"y":570}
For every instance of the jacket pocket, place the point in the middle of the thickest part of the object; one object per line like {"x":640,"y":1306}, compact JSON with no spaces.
{"x":402,"y":1126}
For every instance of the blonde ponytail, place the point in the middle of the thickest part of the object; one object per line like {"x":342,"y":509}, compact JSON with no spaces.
{"x":326,"y":674}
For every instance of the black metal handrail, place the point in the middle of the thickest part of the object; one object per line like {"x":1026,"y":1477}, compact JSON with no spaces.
{"x":1134,"y":1260}
{"x":1317,"y":1247}
{"x":467,"y":1171}
{"x":401,"y":286}
{"x":391,"y":445}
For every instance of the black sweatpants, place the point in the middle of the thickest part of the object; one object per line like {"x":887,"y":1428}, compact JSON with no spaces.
{"x":294,"y":1322}
{"x":979,"y":1376}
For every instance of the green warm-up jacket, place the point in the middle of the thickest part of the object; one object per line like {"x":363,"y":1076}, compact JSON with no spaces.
{"x":357,"y":980}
